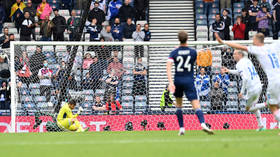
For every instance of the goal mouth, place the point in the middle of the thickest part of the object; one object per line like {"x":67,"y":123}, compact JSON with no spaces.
{"x":139,"y":94}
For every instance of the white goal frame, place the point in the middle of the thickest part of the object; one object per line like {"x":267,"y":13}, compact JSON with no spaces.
{"x":33,"y":43}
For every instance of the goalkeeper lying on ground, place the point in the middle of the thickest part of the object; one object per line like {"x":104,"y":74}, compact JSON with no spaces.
{"x":66,"y":120}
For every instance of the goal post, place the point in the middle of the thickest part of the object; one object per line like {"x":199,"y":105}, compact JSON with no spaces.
{"x":142,"y":103}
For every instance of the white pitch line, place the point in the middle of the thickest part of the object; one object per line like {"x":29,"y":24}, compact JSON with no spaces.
{"x":24,"y":143}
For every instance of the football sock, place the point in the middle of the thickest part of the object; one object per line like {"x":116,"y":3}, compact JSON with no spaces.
{"x":199,"y":115}
{"x":179,"y":115}
{"x":277,"y":115}
{"x":257,"y":107}
{"x":259,"y":118}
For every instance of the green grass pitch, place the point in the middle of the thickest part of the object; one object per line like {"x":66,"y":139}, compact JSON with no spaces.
{"x":230,"y":143}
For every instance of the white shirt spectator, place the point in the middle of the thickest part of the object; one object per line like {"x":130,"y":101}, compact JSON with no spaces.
{"x":45,"y":75}
{"x":138,"y":36}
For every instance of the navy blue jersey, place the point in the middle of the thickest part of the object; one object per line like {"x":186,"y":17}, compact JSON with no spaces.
{"x":184,"y":59}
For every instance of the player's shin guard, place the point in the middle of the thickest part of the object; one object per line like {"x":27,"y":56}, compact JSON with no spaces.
{"x":259,"y":118}
{"x":179,"y":115}
{"x":199,"y":115}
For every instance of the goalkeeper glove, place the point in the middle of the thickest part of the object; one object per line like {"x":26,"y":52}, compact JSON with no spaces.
{"x":80,"y":110}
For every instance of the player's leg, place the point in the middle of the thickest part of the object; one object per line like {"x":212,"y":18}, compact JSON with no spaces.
{"x":192,"y":96}
{"x":273,"y":97}
{"x":179,"y":113}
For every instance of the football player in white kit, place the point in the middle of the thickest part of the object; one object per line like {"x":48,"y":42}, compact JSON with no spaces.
{"x":268,"y":57}
{"x":251,"y":83}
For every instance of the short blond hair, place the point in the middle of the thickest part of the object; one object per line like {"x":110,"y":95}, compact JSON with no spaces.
{"x":260,"y":37}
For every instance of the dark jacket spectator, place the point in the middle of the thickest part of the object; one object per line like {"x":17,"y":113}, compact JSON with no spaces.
{"x":36,"y":63}
{"x":96,"y":13}
{"x":253,"y":11}
{"x":218,"y":26}
{"x":96,"y":73}
{"x":276,"y":19}
{"x":98,"y":105}
{"x":128,"y":29}
{"x":117,"y":30}
{"x":227,"y":21}
{"x":126,"y":11}
{"x":147,"y":32}
{"x":2,"y":17}
{"x":6,"y":43}
{"x":139,"y":72}
{"x":54,"y":4}
{"x":140,"y":8}
{"x":245,"y":20}
{"x":239,"y":29}
{"x":30,"y":8}
{"x":59,"y":26}
{"x":73,"y":24}
{"x":266,"y":4}
{"x":93,"y":29}
{"x":216,"y":95}
{"x":4,"y":67}
{"x":112,"y":82}
{"x":67,"y":4}
{"x":103,"y":52}
{"x":5,"y":37}
{"x":27,"y":25}
{"x":46,"y":27}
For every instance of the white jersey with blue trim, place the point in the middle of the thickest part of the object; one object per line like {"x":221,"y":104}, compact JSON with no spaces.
{"x":268,"y":56}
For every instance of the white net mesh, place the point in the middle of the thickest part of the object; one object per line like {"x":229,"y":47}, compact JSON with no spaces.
{"x":121,"y":87}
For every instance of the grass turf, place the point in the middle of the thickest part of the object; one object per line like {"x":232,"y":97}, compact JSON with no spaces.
{"x":233,"y":143}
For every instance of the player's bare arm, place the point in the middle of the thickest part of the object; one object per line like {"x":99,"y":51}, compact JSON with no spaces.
{"x":230,"y":44}
{"x":171,"y":85}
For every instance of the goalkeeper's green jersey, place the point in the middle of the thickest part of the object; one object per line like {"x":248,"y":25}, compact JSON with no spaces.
{"x":65,"y":112}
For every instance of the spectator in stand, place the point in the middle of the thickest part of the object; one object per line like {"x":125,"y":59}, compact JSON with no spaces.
{"x":112,"y":82}
{"x":139,"y":84}
{"x":128,"y":29}
{"x":26,"y":28}
{"x":265,"y":3}
{"x":147,"y":32}
{"x":253,"y":11}
{"x":4,"y":96}
{"x":6,"y":43}
{"x":239,"y":29}
{"x":93,"y":29}
{"x":223,"y":80}
{"x":117,"y":67}
{"x":96,"y":73}
{"x":202,"y":83}
{"x":97,"y":13}
{"x":36,"y":63}
{"x":45,"y":76}
{"x":126,"y":11}
{"x":4,"y":67}
{"x":140,"y":9}
{"x":227,"y":21}
{"x":32,"y":10}
{"x":54,"y":4}
{"x":36,"y":3}
{"x":24,"y":72}
{"x":2,"y":17}
{"x":245,"y":20}
{"x":218,"y":26}
{"x":5,"y":38}
{"x":225,"y":4}
{"x":73,"y":24}
{"x":207,"y":6}
{"x":113,"y":106}
{"x":276,"y":19}
{"x":98,"y":105}
{"x":87,"y":82}
{"x":107,"y":34}
{"x":117,"y":30}
{"x":138,"y":36}
{"x":204,"y":60}
{"x":44,"y":10}
{"x":17,"y":12}
{"x":263,"y":18}
{"x":274,"y":2}
{"x":46,"y":28}
{"x":216,"y":95}
{"x":59,"y":26}
{"x":103,"y":52}
{"x":113,"y":10}
{"x":88,"y":60}
{"x":102,"y":5}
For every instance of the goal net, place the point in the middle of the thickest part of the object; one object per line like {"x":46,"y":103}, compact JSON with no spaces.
{"x":121,"y":86}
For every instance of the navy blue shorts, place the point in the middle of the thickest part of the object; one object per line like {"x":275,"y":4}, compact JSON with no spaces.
{"x":186,"y":87}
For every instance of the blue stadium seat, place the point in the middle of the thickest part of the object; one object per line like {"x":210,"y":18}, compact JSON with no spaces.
{"x":34,"y":85}
{"x":238,"y":5}
{"x":237,"y":11}
{"x":26,"y":98}
{"x":201,"y":17}
{"x":232,"y":90}
{"x":201,"y":22}
{"x":128,"y":66}
{"x":216,"y":5}
{"x":24,"y":91}
{"x":42,"y":105}
{"x":211,"y":17}
{"x":99,"y":92}
{"x":29,"y":105}
{"x":127,"y":106}
{"x":24,"y":85}
{"x":88,"y":92}
{"x":127,"y":99}
{"x":232,"y":97}
{"x":141,"y":104}
{"x":127,"y":85}
{"x":214,"y":11}
{"x":140,"y":98}
{"x":88,"y":98}
{"x":232,"y":104}
{"x":39,"y":98}
{"x":199,"y":11}
{"x":126,"y":91}
{"x":205,"y":103}
{"x":87,"y":104}
{"x":35,"y":92}
{"x":198,"y":4}
{"x":127,"y":78}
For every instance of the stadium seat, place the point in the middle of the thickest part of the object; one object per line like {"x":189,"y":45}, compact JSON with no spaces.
{"x":126,"y":91}
{"x":24,"y":91}
{"x":232,"y":90}
{"x":88,"y":98}
{"x":39,"y":98}
{"x":232,"y":97}
{"x":201,"y":22}
{"x":140,"y":98}
{"x":88,"y":92}
{"x":128,"y":66}
{"x":34,"y":85}
{"x":238,"y":5}
{"x":216,"y":5}
{"x":128,"y":78}
{"x":35,"y":92}
{"x":141,"y":104}
{"x":127,"y":85}
{"x":201,"y":17}
{"x":127,"y":99}
{"x":29,"y":105}
{"x":87,"y":105}
{"x":42,"y":105}
{"x":26,"y":98}
{"x":198,"y":4}
{"x":99,"y":92}
{"x":214,"y":11}
{"x":237,"y":11}
{"x":211,"y":17}
{"x":128,"y":72}
{"x":199,"y":11}
{"x":64,"y":12}
{"x":233,"y":84}
{"x":23,"y":86}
